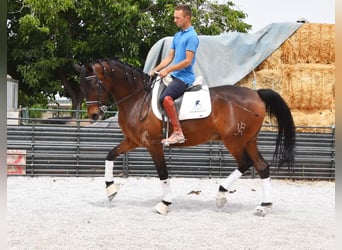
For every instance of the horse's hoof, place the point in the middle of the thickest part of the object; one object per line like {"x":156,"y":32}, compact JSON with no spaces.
{"x":162,"y":208}
{"x":221,"y":199}
{"x":112,"y":190}
{"x":262,"y":210}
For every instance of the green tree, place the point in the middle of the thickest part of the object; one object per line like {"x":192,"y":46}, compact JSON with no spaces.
{"x":46,"y":36}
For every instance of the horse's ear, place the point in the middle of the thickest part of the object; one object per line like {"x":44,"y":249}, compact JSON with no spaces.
{"x":77,"y":67}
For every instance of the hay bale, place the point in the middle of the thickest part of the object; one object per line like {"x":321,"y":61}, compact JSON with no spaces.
{"x":309,"y":86}
{"x":303,"y":86}
{"x":266,"y":78}
{"x":308,"y":89}
{"x":319,"y":121}
{"x":274,"y":61}
{"x":302,"y":71}
{"x":311,"y":43}
{"x":318,"y":118}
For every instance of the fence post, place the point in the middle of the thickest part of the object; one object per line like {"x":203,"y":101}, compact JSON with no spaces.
{"x":125,"y":163}
{"x":32,"y":147}
{"x":78,"y":148}
{"x":333,"y":154}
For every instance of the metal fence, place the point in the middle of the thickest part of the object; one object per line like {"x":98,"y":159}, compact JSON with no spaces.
{"x":79,"y":150}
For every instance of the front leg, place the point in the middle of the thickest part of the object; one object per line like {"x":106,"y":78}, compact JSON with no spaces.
{"x":125,"y":145}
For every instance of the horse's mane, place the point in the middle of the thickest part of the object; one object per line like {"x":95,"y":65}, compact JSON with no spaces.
{"x":128,"y":67}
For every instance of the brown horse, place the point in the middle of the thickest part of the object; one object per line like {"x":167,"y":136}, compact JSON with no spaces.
{"x":236,"y":118}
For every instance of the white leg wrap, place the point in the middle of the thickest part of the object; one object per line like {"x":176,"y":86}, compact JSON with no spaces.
{"x":161,"y":208}
{"x":266,"y":204}
{"x":112,"y":190}
{"x":167,"y":195}
{"x":267,"y":190}
{"x":263,"y":210}
{"x":221,"y":199}
{"x":109,"y":171}
{"x":234,"y":176}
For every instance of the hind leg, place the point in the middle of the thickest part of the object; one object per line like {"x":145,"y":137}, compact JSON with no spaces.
{"x":244,"y":163}
{"x":263,"y":170}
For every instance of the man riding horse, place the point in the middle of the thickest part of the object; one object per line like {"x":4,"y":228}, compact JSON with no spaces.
{"x":182,"y":54}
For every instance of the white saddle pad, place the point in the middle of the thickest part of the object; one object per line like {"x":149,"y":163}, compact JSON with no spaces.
{"x":195,"y":104}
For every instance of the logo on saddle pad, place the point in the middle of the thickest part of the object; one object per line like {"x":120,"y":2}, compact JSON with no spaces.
{"x":194,"y":104}
{"x":198,"y":107}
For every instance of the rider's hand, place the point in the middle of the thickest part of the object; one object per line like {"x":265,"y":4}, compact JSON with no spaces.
{"x":153,"y":73}
{"x":163,"y":73}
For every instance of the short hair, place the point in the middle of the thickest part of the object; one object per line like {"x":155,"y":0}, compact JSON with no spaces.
{"x":185,"y":8}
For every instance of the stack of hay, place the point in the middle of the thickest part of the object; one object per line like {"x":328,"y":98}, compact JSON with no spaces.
{"x":302,"y":71}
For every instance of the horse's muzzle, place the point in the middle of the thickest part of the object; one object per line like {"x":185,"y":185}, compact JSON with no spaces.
{"x":95,"y":117}
{"x":98,"y":116}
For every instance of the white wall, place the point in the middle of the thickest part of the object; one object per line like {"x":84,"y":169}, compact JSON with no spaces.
{"x":12,"y":93}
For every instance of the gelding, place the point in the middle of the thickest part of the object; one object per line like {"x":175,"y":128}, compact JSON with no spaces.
{"x":236,"y":118}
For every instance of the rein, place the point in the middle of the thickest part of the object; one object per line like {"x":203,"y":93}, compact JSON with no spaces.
{"x":147,"y":87}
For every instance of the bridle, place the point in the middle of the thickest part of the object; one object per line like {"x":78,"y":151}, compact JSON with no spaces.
{"x":147,"y":86}
{"x":100,"y":88}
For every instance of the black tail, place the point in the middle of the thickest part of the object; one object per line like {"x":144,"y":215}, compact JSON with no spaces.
{"x":286,"y":139}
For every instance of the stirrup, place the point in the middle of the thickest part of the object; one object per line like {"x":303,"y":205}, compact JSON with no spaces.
{"x":176,"y":137}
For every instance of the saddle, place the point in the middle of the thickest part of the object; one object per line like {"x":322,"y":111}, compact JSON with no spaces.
{"x":193,"y":104}
{"x":197,"y":86}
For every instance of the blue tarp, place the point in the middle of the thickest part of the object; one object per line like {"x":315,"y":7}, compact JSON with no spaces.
{"x":226,"y":59}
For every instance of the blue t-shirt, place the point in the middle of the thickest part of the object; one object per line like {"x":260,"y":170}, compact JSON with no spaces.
{"x":182,"y":41}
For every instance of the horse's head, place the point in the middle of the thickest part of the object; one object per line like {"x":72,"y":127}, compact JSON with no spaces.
{"x":94,"y":86}
{"x":111,"y":80}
